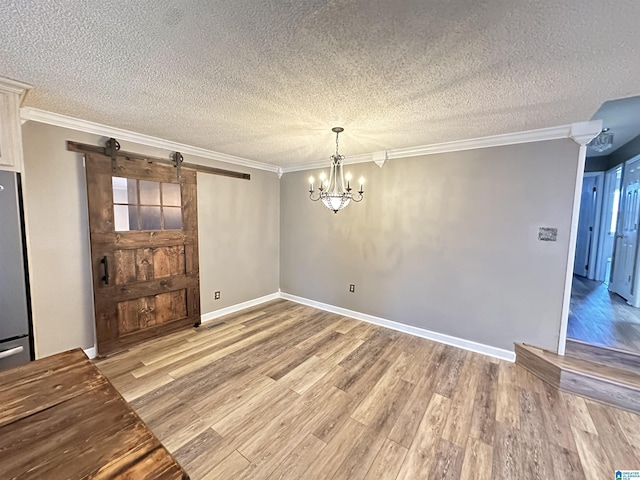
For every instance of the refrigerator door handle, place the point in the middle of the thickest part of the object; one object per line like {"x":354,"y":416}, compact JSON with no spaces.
{"x":11,"y":351}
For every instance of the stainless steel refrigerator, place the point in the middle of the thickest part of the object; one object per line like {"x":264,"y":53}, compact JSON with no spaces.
{"x":16,"y":344}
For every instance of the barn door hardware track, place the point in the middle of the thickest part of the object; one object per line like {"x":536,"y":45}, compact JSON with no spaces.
{"x":112,"y":150}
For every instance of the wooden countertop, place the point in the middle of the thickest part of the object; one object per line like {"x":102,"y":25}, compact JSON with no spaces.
{"x":60,"y":418}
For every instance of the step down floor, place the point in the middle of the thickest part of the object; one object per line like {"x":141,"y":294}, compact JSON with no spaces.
{"x":606,"y":382}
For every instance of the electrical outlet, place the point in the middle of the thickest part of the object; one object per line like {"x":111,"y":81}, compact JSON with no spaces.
{"x":216,"y":295}
{"x":352,"y":288}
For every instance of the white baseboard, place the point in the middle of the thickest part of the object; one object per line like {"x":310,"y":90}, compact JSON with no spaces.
{"x":207,"y":317}
{"x":90,"y":352}
{"x":401,"y":327}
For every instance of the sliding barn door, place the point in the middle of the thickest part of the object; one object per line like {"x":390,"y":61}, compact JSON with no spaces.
{"x":144,"y":250}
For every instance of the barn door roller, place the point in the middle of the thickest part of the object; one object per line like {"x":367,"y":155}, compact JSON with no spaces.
{"x":111,"y":150}
{"x":177,"y":161}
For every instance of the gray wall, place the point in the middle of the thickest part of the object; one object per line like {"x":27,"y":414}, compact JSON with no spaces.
{"x":606,"y":162}
{"x":238,"y":229}
{"x":597,"y":164}
{"x":445,"y":242}
{"x":625,"y":152}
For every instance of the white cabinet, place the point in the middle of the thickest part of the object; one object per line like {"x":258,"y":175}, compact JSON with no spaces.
{"x":11,"y":93}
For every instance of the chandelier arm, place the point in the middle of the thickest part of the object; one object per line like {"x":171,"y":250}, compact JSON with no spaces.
{"x":315,"y":199}
{"x":357,"y":198}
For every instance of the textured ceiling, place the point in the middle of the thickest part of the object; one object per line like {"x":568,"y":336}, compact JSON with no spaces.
{"x":266,"y":80}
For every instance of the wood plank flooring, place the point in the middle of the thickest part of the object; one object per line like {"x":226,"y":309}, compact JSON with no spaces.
{"x":599,"y":317}
{"x":285,"y":391}
{"x":612,"y":385}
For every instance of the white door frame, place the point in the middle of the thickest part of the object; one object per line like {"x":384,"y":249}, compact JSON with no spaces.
{"x":607,"y":191}
{"x":581,"y":133}
{"x":595,"y":234}
{"x":634,"y":300}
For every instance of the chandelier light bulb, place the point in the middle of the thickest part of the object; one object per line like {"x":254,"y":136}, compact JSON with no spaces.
{"x":322,"y":176}
{"x":311,"y":179}
{"x":348,"y":176}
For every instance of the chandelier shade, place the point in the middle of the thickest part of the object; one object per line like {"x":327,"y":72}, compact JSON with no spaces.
{"x":603,"y":142}
{"x":335,"y":191}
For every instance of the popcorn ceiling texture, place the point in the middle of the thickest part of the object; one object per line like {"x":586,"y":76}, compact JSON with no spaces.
{"x":266,"y":80}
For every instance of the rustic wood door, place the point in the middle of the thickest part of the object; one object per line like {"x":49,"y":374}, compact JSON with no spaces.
{"x":144,"y":250}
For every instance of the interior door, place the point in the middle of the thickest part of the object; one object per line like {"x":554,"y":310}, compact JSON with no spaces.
{"x":144,"y":250}
{"x":627,"y":234}
{"x":610,"y":206}
{"x":586,"y":223}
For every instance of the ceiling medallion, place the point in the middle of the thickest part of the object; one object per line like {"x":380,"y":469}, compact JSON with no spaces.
{"x":332,"y":190}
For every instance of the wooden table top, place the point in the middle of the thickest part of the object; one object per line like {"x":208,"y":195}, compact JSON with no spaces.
{"x":60,"y":418}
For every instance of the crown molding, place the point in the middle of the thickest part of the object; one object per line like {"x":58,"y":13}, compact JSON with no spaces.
{"x":352,"y":159}
{"x":56,"y":119}
{"x":14,"y":86}
{"x":543,"y":134}
{"x":583,"y":132}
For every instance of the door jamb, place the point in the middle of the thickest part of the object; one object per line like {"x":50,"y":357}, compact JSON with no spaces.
{"x":606,"y":207}
{"x":634,"y":300}
{"x":595,"y":236}
{"x":581,"y":133}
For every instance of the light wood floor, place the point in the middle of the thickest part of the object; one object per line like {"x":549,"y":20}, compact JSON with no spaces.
{"x":599,"y":317}
{"x":284,"y":391}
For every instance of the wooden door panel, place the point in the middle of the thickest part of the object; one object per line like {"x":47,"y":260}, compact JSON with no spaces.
{"x":137,"y":265}
{"x":136,"y":314}
{"x":168,"y":261}
{"x":146,"y":282}
{"x":122,"y":342}
{"x":144,"y":264}
{"x":171,"y":306}
{"x":125,"y":266}
{"x":144,"y":312}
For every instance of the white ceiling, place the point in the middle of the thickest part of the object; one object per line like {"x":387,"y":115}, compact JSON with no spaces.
{"x":266,"y":80}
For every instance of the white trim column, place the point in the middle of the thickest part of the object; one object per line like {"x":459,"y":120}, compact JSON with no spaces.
{"x":581,"y":133}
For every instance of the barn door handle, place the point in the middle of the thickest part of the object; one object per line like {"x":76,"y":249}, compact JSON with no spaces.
{"x":105,"y":263}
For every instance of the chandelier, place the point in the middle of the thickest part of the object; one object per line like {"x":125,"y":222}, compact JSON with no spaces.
{"x":332,"y":190}
{"x":604,"y":141}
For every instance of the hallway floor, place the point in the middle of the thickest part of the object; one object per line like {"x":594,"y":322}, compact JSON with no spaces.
{"x":600,"y":317}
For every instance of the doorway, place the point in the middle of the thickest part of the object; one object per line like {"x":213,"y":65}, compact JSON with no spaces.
{"x":588,"y":225}
{"x":602,"y":308}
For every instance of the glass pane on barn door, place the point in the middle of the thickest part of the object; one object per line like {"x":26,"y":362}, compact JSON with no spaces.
{"x":172,"y":218}
{"x":171,"y":194}
{"x":149,"y":193}
{"x":150,"y":218}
